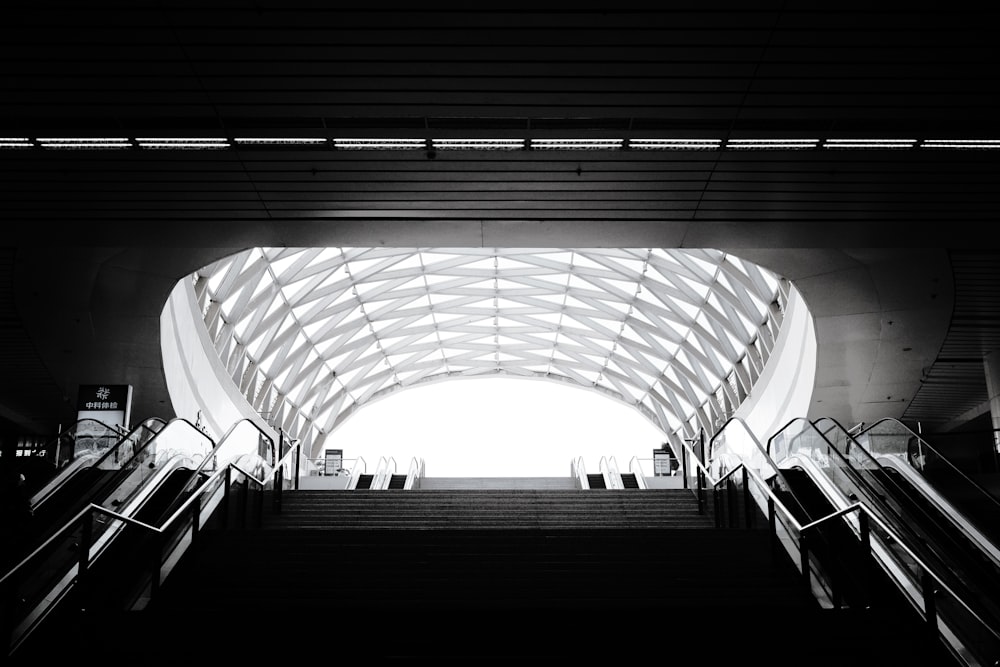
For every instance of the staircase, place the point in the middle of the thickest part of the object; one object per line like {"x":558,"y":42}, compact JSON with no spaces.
{"x":492,"y":575}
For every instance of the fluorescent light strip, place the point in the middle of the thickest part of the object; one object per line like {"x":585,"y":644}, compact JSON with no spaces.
{"x":961,"y":143}
{"x":15,"y":142}
{"x":495,"y":144}
{"x":189,"y":143}
{"x":675,"y":144}
{"x":479,"y":144}
{"x":280,"y":140}
{"x":379,"y":144}
{"x":566,"y":144}
{"x":772,"y":143}
{"x":870,"y":143}
{"x":84,"y":142}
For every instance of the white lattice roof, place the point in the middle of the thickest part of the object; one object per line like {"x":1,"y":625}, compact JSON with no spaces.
{"x":312,"y":334}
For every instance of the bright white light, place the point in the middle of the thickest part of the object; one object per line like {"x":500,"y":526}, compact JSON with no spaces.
{"x":479,"y":144}
{"x":280,"y":140}
{"x":497,"y":427}
{"x":870,"y":143}
{"x":15,"y":142}
{"x":185,"y":142}
{"x":563,"y":144}
{"x":961,"y":143}
{"x":379,"y":144}
{"x":763,"y":144}
{"x":675,"y":144}
{"x":84,"y":142}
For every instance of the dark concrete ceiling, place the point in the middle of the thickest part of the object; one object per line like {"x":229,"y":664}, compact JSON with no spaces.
{"x":891,"y":246}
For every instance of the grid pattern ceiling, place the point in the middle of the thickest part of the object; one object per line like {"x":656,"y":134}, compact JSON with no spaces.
{"x":311,"y":335}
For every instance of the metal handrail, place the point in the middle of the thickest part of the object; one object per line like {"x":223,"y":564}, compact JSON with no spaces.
{"x":987,"y":496}
{"x":192,"y":505}
{"x":612,"y":477}
{"x":43,"y":495}
{"x":761,"y":484}
{"x":635,"y":467}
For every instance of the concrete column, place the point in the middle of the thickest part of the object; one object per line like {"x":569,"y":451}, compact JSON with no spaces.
{"x":991,"y":364}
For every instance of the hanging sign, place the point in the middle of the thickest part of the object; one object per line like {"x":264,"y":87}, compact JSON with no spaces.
{"x":107,"y":403}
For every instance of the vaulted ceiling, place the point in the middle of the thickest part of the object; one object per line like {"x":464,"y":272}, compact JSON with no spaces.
{"x":842,"y":147}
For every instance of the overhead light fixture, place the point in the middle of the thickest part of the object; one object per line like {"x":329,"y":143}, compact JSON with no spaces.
{"x":291,"y":141}
{"x":479,"y":144}
{"x":92,"y":143}
{"x":675,"y":144}
{"x":190,"y":143}
{"x":379,"y":144}
{"x":961,"y":143}
{"x":576,"y":144}
{"x":870,"y":143}
{"x":15,"y":142}
{"x":772,"y":144}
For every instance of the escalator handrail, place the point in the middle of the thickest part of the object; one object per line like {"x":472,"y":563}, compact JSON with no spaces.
{"x":987,"y":496}
{"x":43,"y":495}
{"x":860,"y":508}
{"x":981,"y":541}
{"x":765,"y":452}
{"x":71,"y":524}
{"x":163,"y":528}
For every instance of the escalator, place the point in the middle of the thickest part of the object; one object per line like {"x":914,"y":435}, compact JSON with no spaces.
{"x":939,"y":531}
{"x":629,"y":480}
{"x":95,"y":547}
{"x":941,"y":575}
{"x":596,"y":481}
{"x":836,"y":556}
{"x":87,"y":477}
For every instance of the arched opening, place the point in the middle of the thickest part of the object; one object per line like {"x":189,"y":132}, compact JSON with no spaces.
{"x":301,"y":339}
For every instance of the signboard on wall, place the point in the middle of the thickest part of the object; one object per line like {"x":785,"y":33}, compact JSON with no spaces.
{"x":334,"y":461}
{"x":661,"y":462}
{"x":110,"y":404}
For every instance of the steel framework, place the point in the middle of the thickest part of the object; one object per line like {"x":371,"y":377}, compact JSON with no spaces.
{"x":310,"y":335}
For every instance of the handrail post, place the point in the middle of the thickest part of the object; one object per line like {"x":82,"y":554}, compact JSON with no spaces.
{"x":258,"y":503}
{"x":717,"y":506}
{"x":83,"y":557}
{"x":157,"y":557}
{"x":747,"y":498}
{"x":804,"y":561}
{"x":279,"y":484}
{"x":864,"y":527}
{"x":684,"y":467}
{"x":772,"y":526}
{"x":701,"y":491}
{"x":225,"y":496}
{"x":195,"y":520}
{"x":298,"y":465}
